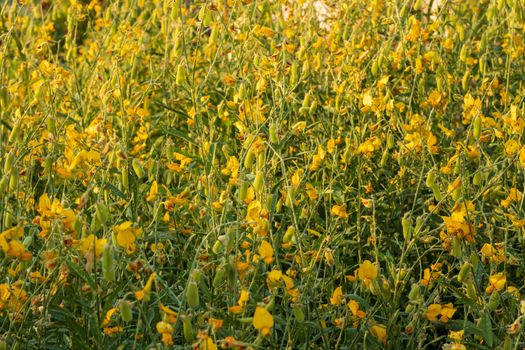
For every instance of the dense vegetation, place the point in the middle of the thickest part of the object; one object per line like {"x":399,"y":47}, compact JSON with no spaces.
{"x":253,"y":174}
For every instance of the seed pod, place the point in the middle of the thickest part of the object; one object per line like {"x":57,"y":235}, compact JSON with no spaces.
{"x":243,"y":190}
{"x":216,"y":247}
{"x":273,"y":133}
{"x":137,"y":167}
{"x":13,"y":136}
{"x":471,"y":290}
{"x":298,"y":313}
{"x":124,"y":177}
{"x":4,"y":182}
{"x":187,"y":329}
{"x":107,"y":264}
{"x":437,"y":192}
{"x":197,"y":276}
{"x":102,"y":213}
{"x":192,"y":295}
{"x":261,"y":160}
{"x":456,"y":248}
{"x":477,"y":179}
{"x":407,"y":229}
{"x":48,"y":165}
{"x":126,"y":314}
{"x":384,"y":159}
{"x":214,"y":36}
{"x":181,"y":75}
{"x":294,"y":74}
{"x":290,"y":196}
{"x":463,"y":272}
{"x":258,"y":183}
{"x":3,"y":345}
{"x":9,"y":219}
{"x":494,"y":300}
{"x":431,"y":179}
{"x":219,"y":275}
{"x":417,"y":5}
{"x":28,"y":240}
{"x":13,"y":179}
{"x":415,"y":292}
{"x":465,"y":80}
{"x":476,"y":127}
{"x":9,"y":162}
{"x":390,"y":141}
{"x":249,"y":159}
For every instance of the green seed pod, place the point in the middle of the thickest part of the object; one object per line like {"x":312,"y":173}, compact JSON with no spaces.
{"x":243,"y":190}
{"x":197,"y":276}
{"x":187,"y":329}
{"x":261,"y":160}
{"x":437,"y":192}
{"x":102,"y":213}
{"x":384,"y":159}
{"x":298,"y":313}
{"x":306,"y":101}
{"x":290,"y":197}
{"x":4,"y":182}
{"x":289,"y":234}
{"x":181,"y":75}
{"x":417,"y":5}
{"x":13,"y":179}
{"x":465,"y":80}
{"x":3,"y":345}
{"x":407,"y":229}
{"x":415,"y":292}
{"x":273,"y":133}
{"x":28,"y":240}
{"x":476,"y":127}
{"x":419,"y":224}
{"x":390,"y":141}
{"x":124,"y":177}
{"x":126,"y":313}
{"x":494,"y":300}
{"x":409,"y":308}
{"x":375,"y":68}
{"x":249,"y":159}
{"x":258,"y":183}
{"x":219,"y":275}
{"x":214,"y":36}
{"x":9,"y":219}
{"x":294,"y":74}
{"x":15,"y":132}
{"x":137,"y":167}
{"x":477,"y":179}
{"x":313,"y":108}
{"x":471,"y":290}
{"x":48,"y":165}
{"x":107,"y":264}
{"x":9,"y":162}
{"x":463,"y":272}
{"x":51,"y":125}
{"x":456,"y":248}
{"x":192,"y":295}
{"x":216,"y":247}
{"x":431,"y":179}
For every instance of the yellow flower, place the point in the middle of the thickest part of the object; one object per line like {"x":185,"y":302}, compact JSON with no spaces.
{"x":145,"y":292}
{"x":354,"y":307}
{"x":109,"y":313}
{"x":367,"y":272}
{"x":266,"y":252}
{"x":166,"y":329}
{"x":337,"y":296}
{"x":379,"y":331}
{"x":433,"y":311}
{"x":126,"y":236}
{"x":496,"y":282}
{"x":153,"y":192}
{"x":447,"y":311}
{"x":92,"y":244}
{"x":208,"y":344}
{"x":340,"y":211}
{"x":262,"y":320}
{"x":273,"y":278}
